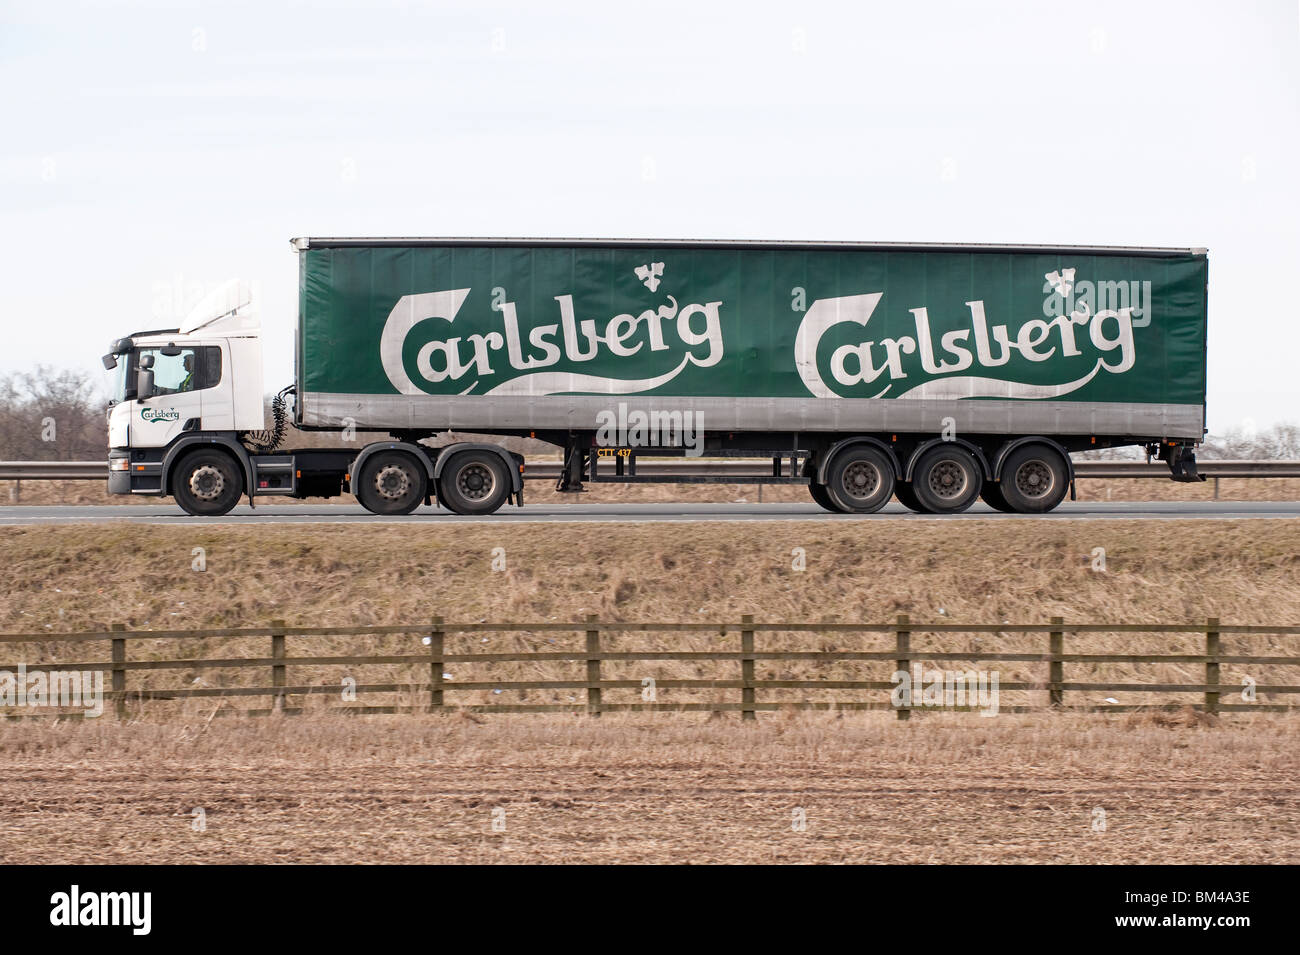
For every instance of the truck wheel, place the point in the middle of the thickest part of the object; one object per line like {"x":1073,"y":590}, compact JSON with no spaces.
{"x":947,"y":479}
{"x":992,"y":496}
{"x":906,"y":495}
{"x":474,"y":482}
{"x":819,"y":494}
{"x":207,"y":483}
{"x":390,"y":482}
{"x":860,"y":480}
{"x":1034,"y":479}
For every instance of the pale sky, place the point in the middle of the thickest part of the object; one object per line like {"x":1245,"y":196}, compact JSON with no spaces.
{"x":149,"y":151}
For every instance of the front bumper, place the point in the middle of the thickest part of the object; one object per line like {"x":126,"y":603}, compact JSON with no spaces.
{"x":119,"y":478}
{"x":134,"y":472}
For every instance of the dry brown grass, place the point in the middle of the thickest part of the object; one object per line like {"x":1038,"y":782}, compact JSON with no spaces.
{"x":1119,"y":489}
{"x":81,"y":577}
{"x":667,"y":789}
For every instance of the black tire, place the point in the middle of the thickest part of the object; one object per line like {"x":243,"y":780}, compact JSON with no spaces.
{"x":1034,"y":479}
{"x":907,"y":497}
{"x":474,"y":482}
{"x":819,"y":494}
{"x":207,"y":482}
{"x":992,"y":496}
{"x":947,"y":479}
{"x":389,"y":483}
{"x":860,"y":479}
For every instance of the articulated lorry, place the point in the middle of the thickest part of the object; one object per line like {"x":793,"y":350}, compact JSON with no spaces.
{"x":937,"y":374}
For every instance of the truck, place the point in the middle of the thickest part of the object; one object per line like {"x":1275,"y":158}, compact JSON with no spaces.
{"x":934,"y":374}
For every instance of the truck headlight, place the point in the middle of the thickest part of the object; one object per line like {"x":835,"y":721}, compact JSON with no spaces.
{"x":118,"y":464}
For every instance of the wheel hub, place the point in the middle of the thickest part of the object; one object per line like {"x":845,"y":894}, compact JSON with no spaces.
{"x":476,"y":481}
{"x":861,"y":479}
{"x":207,"y":483}
{"x":1034,"y":479}
{"x":947,"y":479}
{"x":392,"y":483}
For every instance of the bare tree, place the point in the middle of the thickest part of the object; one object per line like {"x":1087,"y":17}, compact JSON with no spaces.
{"x":50,"y":415}
{"x":1279,"y":443}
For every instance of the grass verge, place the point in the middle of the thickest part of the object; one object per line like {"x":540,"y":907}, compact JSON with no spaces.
{"x":85,"y":578}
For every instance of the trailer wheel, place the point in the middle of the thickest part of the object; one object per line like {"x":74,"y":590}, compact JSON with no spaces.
{"x":947,"y":479}
{"x":993,"y":497}
{"x":207,"y":483}
{"x":907,"y":497}
{"x":1034,"y":479}
{"x":390,"y":482}
{"x":474,"y":482}
{"x":860,"y":479}
{"x":820,"y":495}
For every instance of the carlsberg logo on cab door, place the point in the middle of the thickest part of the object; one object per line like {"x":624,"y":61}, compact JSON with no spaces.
{"x":840,"y":348}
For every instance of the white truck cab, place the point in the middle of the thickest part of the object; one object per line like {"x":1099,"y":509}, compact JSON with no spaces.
{"x":186,"y":419}
{"x":201,"y":381}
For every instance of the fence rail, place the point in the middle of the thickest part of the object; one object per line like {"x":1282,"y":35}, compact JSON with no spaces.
{"x":439,"y":692}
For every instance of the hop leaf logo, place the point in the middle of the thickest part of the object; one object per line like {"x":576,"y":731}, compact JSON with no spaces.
{"x":1061,"y":281}
{"x":649,"y":274}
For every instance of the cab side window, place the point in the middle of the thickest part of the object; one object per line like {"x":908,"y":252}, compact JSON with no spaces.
{"x":207,"y":366}
{"x":193,"y":369}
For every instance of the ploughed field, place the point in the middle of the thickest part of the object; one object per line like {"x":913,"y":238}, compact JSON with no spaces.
{"x":862,"y":789}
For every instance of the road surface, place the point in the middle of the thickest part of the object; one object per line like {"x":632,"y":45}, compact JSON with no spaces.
{"x":165,"y":512}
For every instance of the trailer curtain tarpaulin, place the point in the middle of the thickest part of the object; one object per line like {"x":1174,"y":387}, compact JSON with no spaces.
{"x":459,"y":335}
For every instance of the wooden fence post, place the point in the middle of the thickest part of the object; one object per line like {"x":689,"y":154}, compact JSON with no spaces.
{"x":1055,"y":668}
{"x":277,"y":669}
{"x":435,"y":663}
{"x":119,"y":673}
{"x":904,"y":638}
{"x":593,"y":666}
{"x":1212,"y":664}
{"x":747,"y":669}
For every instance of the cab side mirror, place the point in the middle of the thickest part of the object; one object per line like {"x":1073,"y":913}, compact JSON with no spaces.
{"x":144,"y":378}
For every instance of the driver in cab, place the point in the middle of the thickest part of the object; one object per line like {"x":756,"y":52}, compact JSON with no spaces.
{"x":186,"y":383}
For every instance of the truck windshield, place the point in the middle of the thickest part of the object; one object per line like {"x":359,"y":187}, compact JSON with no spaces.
{"x":121,"y":385}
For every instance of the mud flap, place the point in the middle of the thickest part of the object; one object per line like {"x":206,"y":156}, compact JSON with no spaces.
{"x":1182,"y":465}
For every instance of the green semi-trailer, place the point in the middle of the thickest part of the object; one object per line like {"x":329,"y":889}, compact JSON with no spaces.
{"x":937,"y":374}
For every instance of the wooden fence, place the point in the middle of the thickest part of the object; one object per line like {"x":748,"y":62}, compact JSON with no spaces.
{"x":440,"y":694}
